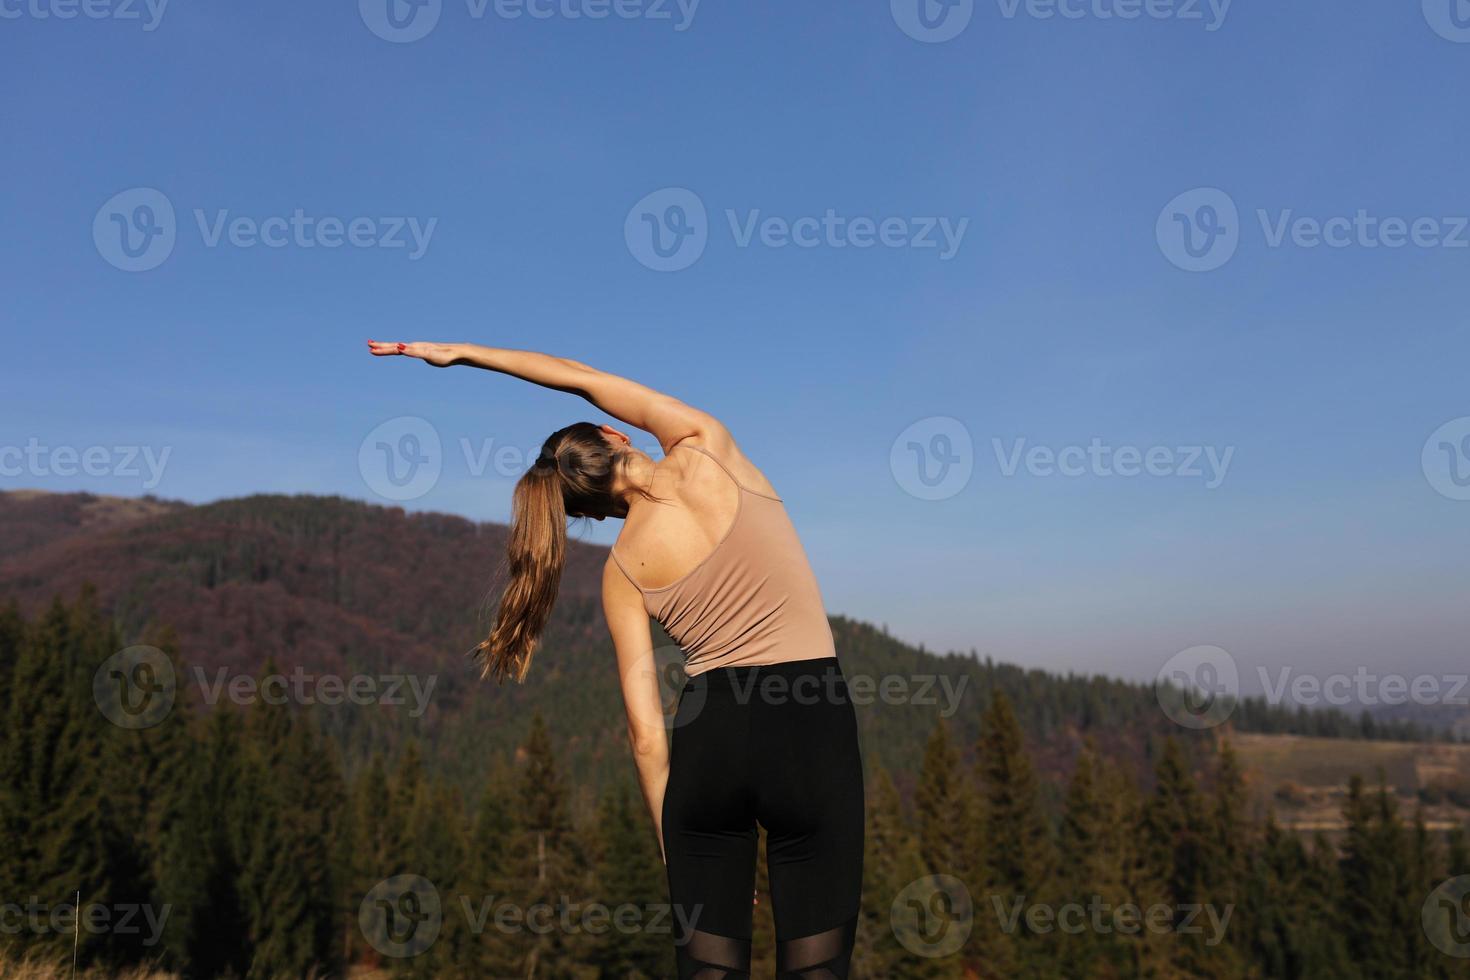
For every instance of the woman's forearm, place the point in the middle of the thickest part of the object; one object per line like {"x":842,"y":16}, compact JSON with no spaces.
{"x":546,"y":370}
{"x":628,"y":401}
{"x":653,"y":780}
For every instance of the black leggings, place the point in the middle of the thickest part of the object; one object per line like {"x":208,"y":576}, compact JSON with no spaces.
{"x":776,"y":745}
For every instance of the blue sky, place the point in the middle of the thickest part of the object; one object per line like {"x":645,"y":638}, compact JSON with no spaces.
{"x":1058,"y":148}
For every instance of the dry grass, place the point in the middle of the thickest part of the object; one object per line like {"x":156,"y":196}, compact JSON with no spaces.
{"x":36,"y":968}
{"x":18,"y":967}
{"x":1317,"y":770}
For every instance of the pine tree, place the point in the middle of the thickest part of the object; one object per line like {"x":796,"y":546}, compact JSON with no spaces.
{"x":1018,"y":849}
{"x":1018,"y":843}
{"x":1080,"y":856}
{"x":629,"y":874}
{"x":365,"y":857}
{"x":548,"y":863}
{"x":1225,"y":853}
{"x":143,"y":787}
{"x":55,"y":766}
{"x":207,"y":935}
{"x":1176,"y":823}
{"x":488,"y":876}
{"x":12,"y":635}
{"x":542,"y":796}
{"x":1370,"y":893}
{"x":437,"y":849}
{"x":945,"y":806}
{"x":894,"y":940}
{"x":286,"y":882}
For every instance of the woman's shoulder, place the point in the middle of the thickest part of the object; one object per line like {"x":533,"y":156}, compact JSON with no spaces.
{"x":689,"y":459}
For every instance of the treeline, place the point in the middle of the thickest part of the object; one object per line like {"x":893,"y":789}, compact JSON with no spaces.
{"x":1178,"y":878}
{"x":242,"y":848}
{"x":234,"y":846}
{"x":302,"y":578}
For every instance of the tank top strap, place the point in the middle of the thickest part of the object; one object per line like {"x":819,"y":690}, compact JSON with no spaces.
{"x":733,"y":478}
{"x":624,"y":569}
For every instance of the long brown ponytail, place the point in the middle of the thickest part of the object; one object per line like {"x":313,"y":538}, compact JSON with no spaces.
{"x":572,"y":476}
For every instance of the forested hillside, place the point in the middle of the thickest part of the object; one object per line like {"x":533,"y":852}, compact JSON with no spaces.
{"x":338,"y":588}
{"x":236,"y":845}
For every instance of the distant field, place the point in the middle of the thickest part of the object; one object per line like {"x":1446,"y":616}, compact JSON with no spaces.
{"x":1305,"y":779}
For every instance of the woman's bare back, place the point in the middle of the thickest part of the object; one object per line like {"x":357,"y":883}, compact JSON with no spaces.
{"x":693,"y":505}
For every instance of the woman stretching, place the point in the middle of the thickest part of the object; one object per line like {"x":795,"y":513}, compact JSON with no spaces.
{"x":764,"y":731}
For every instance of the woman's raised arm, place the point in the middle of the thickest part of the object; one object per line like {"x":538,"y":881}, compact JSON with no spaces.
{"x":667,"y":418}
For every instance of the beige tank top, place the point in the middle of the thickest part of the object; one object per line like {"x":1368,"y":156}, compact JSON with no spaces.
{"x":752,"y":600}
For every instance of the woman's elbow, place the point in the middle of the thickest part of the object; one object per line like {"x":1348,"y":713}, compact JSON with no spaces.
{"x":648,"y":746}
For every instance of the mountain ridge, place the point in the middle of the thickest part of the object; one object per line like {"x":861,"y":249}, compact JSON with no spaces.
{"x":329,"y":586}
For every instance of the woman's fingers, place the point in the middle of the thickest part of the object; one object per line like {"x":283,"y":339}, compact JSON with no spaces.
{"x":439,"y":355}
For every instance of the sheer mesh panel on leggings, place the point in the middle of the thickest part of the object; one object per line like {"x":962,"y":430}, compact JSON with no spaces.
{"x":824,"y":956}
{"x":706,"y":956}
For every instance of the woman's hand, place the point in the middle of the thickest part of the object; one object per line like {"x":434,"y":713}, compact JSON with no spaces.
{"x":439,"y":355}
